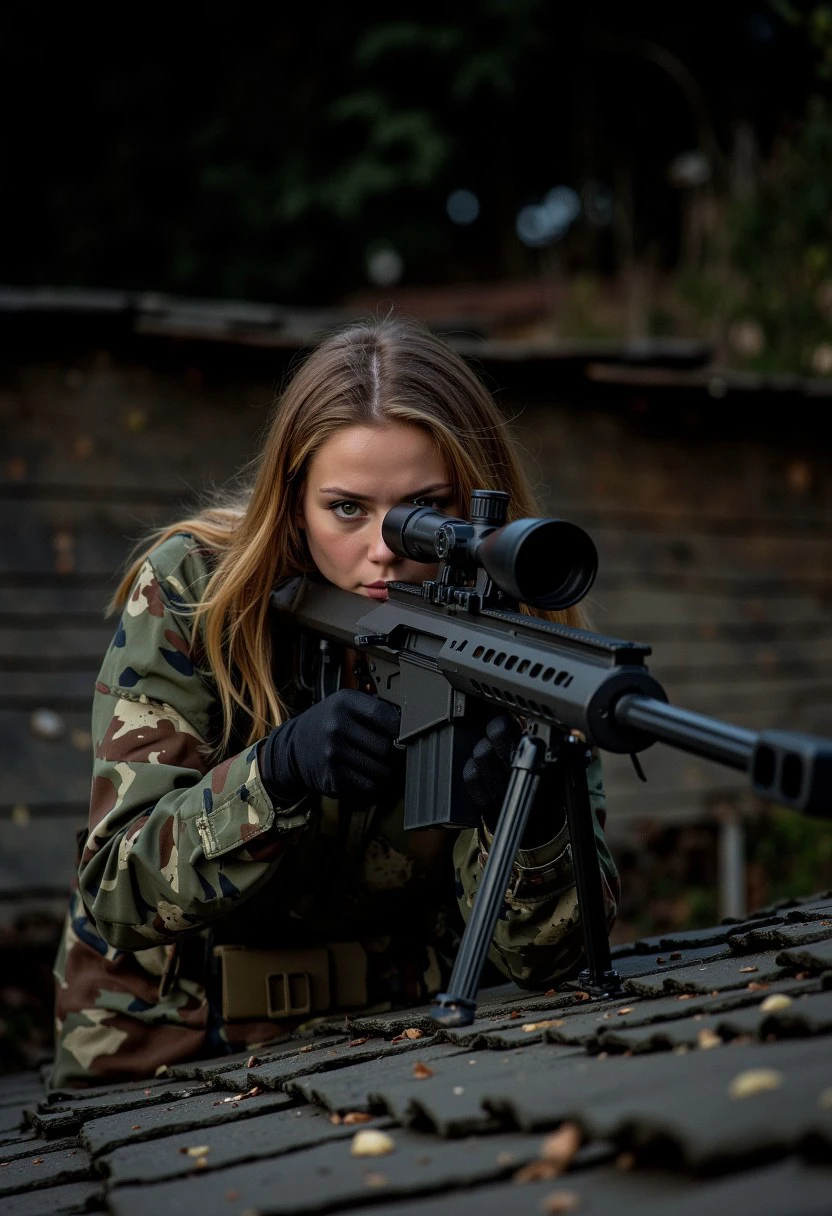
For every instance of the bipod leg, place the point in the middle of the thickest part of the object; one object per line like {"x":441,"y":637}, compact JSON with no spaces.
{"x":458,"y":1006}
{"x":598,"y":977}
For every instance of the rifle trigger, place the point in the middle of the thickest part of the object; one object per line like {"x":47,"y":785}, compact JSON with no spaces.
{"x":637,"y":766}
{"x":371,"y":639}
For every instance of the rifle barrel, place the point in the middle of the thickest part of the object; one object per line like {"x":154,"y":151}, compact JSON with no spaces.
{"x":703,"y":736}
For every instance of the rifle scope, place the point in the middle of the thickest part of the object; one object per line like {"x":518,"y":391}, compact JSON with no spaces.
{"x":547,"y":563}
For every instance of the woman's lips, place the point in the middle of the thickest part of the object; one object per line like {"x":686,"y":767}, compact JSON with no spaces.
{"x":376,"y":591}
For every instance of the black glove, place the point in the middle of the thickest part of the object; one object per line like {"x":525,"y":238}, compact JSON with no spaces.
{"x":342,"y":747}
{"x":486,"y":776}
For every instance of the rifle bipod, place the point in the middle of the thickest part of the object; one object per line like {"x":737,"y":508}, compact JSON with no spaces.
{"x":458,"y":1006}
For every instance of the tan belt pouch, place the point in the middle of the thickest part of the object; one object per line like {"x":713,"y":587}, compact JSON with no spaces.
{"x":259,"y":984}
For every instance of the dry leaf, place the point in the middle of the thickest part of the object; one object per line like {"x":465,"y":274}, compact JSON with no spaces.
{"x":198,"y":1150}
{"x":550,"y":992}
{"x":560,"y":1201}
{"x":420,"y":1071}
{"x":375,"y":1180}
{"x":536,"y":1171}
{"x":626,"y":1009}
{"x":581,"y":996}
{"x":686,"y":996}
{"x":660,"y":959}
{"x":253,"y":1061}
{"x":528,"y":1027}
{"x":371,"y":1143}
{"x":754,"y":1081}
{"x":775,"y":1003}
{"x":745,"y":970}
{"x":357,"y":1116}
{"x":757,"y":986}
{"x":515,"y":1013}
{"x":308,"y":1047}
{"x":506,"y":1158}
{"x":561,"y":1146}
{"x":413,"y":1032}
{"x":676,"y":954}
{"x":357,"y":1042}
{"x":335,"y":1118}
{"x":708,"y":1038}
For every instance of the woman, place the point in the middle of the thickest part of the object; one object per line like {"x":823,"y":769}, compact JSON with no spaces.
{"x":246,"y":867}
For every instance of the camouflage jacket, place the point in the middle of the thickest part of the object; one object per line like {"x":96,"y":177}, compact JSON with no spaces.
{"x":182,"y":854}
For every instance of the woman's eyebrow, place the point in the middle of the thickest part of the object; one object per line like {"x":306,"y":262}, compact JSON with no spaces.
{"x":350,"y":494}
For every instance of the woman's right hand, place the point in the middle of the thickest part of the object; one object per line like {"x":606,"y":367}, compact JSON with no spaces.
{"x":343,"y":747}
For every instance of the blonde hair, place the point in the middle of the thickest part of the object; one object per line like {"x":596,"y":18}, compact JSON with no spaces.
{"x":374,"y":373}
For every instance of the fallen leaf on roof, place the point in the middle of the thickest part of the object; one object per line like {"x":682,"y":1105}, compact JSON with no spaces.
{"x":754,"y":1081}
{"x":371,"y":1143}
{"x":550,"y":992}
{"x":626,"y":1009}
{"x":375,"y":1180}
{"x":413,"y":1032}
{"x":502,"y":1159}
{"x":708,"y":1038}
{"x":308,"y":1047}
{"x":676,"y":954}
{"x":660,"y":959}
{"x":687,"y":996}
{"x":253,"y":1061}
{"x":757,"y":986}
{"x":536,"y":1171}
{"x":775,"y":1003}
{"x":515,"y":1013}
{"x":528,"y":1027}
{"x":357,"y":1116}
{"x":420,"y":1071}
{"x":560,"y":1201}
{"x":746,"y":969}
{"x":561,"y":1146}
{"x":581,"y":996}
{"x":458,"y":1090}
{"x":357,"y":1042}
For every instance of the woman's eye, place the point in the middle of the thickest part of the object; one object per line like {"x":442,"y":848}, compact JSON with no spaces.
{"x":346,"y":510}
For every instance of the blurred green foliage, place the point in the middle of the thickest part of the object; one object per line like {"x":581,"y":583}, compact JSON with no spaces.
{"x":791,"y":852}
{"x":763,"y":288}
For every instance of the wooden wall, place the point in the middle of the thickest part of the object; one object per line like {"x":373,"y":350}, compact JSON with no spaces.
{"x":712,"y":516}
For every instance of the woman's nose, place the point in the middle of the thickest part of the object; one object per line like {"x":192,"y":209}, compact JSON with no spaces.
{"x":380,"y":551}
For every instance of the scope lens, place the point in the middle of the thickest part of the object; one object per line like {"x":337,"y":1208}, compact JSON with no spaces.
{"x":548,"y":563}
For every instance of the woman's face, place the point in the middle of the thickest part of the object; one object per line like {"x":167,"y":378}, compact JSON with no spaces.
{"x":353,"y":481}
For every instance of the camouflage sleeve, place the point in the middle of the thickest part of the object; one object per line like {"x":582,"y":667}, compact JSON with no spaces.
{"x":172,"y":841}
{"x":538,"y":938}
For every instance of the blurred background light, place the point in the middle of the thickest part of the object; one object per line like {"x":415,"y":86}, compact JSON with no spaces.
{"x":540,"y":224}
{"x":384,"y":264}
{"x":463,"y":206}
{"x":689,"y":169}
